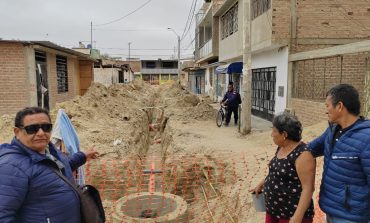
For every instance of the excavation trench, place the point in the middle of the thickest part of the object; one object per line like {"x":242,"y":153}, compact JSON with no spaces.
{"x":155,"y":203}
{"x":133,"y":128}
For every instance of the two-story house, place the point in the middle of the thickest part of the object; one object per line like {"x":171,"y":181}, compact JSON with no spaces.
{"x":159,"y":71}
{"x":279,"y":29}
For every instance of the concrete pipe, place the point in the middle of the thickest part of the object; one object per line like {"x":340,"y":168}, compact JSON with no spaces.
{"x":150,"y":207}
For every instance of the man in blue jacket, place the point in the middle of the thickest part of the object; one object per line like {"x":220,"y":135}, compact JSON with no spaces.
{"x":231,"y":100}
{"x":345,"y":145}
{"x":30,"y":191}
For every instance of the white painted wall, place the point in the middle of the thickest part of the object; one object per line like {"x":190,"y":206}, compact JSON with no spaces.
{"x":279,"y":60}
{"x":106,"y":76}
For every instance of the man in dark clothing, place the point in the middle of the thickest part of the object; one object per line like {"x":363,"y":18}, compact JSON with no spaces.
{"x":231,"y":100}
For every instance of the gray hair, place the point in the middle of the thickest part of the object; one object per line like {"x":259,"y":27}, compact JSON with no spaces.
{"x":290,"y":124}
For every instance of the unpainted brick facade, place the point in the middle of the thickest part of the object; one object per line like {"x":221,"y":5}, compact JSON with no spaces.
{"x":314,"y":22}
{"x":314,"y":77}
{"x":309,"y":112}
{"x":18,"y":72}
{"x":13,"y":78}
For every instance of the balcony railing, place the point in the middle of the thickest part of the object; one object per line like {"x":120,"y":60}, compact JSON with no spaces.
{"x":159,"y":70}
{"x":206,"y":49}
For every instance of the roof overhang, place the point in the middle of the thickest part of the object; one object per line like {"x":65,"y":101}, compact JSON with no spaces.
{"x":226,"y":6}
{"x":53,"y":46}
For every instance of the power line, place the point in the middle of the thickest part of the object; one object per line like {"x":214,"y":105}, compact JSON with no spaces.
{"x":187,"y":21}
{"x":191,"y":22}
{"x":119,"y":19}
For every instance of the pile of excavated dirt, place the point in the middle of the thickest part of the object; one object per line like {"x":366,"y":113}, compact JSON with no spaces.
{"x":180,"y":104}
{"x":6,"y":128}
{"x":116,"y":121}
{"x":111,"y":119}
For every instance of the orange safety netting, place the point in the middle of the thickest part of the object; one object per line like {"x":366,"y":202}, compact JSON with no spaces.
{"x":183,"y":188}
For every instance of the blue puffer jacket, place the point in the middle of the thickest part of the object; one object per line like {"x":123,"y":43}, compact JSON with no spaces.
{"x":30,"y":191}
{"x":345,"y":187}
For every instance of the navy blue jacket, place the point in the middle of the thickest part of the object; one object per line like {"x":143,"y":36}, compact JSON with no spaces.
{"x":233,"y":99}
{"x":30,"y":191}
{"x":345,"y":186}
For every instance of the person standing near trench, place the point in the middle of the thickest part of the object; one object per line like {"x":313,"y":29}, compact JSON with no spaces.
{"x":232,"y":100}
{"x":289,"y":185}
{"x":30,"y":190}
{"x":345,"y":145}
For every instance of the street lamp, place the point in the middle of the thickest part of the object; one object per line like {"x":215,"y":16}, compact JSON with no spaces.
{"x":178,"y":54}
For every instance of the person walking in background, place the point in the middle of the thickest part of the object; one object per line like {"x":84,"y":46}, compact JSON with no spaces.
{"x":345,"y":145}
{"x":31,"y":191}
{"x":231,"y":100}
{"x":289,"y":185}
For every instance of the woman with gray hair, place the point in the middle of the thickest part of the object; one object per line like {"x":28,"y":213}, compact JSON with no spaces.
{"x":289,"y":185}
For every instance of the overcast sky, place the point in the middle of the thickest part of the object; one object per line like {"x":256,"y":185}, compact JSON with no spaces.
{"x":66,"y":22}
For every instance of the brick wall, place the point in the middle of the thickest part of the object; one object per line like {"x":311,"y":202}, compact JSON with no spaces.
{"x":308,"y":47}
{"x":313,"y":78}
{"x":309,"y":112}
{"x":318,"y":19}
{"x":333,"y":19}
{"x":86,"y":75}
{"x":54,"y":96}
{"x":280,"y":20}
{"x":13,"y":78}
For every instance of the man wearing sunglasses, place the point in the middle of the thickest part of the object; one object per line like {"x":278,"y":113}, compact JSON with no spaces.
{"x":30,"y":190}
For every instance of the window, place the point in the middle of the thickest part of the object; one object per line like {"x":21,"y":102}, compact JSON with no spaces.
{"x":62,"y":74}
{"x":167,"y":64}
{"x":150,"y":64}
{"x":229,"y":22}
{"x":259,"y":7}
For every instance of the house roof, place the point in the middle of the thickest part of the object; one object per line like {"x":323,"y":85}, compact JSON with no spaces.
{"x":225,"y":6}
{"x":51,"y":45}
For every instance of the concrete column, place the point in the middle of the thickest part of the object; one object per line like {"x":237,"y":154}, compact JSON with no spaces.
{"x":31,"y":74}
{"x":245,"y":116}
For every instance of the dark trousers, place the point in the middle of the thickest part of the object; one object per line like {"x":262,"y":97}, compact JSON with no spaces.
{"x":228,"y":114}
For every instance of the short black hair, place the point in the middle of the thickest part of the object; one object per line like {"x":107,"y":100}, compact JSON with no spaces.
{"x":290,"y":124}
{"x":346,"y":94}
{"x":231,"y":83}
{"x":19,"y":117}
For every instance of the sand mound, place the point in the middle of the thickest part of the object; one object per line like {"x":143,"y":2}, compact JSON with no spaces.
{"x":6,"y":128}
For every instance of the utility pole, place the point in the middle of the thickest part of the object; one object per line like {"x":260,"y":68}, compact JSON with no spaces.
{"x":246,"y":125}
{"x":178,"y":54}
{"x":129,"y":61}
{"x":91,"y":41}
{"x":178,"y":59}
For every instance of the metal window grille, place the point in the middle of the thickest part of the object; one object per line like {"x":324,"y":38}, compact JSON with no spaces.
{"x":62,"y":74}
{"x":259,"y":7}
{"x":229,"y":22}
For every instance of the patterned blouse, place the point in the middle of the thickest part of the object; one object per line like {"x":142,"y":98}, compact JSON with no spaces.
{"x":283,"y":188}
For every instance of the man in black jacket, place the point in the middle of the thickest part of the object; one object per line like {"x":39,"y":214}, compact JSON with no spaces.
{"x":231,"y":100}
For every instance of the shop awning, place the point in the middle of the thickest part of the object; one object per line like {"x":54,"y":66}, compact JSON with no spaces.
{"x":230,"y":68}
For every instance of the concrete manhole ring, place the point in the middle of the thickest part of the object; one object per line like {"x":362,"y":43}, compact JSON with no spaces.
{"x":149,"y":207}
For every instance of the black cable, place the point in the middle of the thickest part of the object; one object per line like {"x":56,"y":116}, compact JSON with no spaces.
{"x":116,"y":20}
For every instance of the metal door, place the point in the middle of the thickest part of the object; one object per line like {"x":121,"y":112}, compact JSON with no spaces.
{"x":263,"y":92}
{"x":42,"y":80}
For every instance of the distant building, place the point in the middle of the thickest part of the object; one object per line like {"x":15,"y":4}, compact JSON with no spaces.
{"x":40,"y":73}
{"x":280,"y":31}
{"x":108,"y":72}
{"x":158,"y":71}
